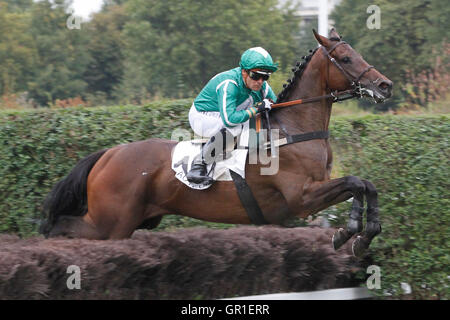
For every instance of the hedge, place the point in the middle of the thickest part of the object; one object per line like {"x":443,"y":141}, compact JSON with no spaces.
{"x":406,"y":157}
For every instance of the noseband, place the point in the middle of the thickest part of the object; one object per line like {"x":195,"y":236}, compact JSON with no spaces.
{"x":354,"y":82}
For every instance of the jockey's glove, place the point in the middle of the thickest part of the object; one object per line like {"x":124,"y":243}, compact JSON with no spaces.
{"x":264,"y":105}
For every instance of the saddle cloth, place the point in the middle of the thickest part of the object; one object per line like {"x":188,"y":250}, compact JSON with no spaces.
{"x":185,"y":151}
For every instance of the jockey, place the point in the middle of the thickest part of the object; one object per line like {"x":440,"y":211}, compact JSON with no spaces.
{"x":227,"y":101}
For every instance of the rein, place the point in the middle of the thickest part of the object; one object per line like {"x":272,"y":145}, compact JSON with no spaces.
{"x":335,"y":95}
{"x":356,"y":92}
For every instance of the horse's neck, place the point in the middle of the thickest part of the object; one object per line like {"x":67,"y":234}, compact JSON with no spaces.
{"x":306,"y":117}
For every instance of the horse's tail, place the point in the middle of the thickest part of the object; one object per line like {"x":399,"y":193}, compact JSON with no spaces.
{"x":69,"y":196}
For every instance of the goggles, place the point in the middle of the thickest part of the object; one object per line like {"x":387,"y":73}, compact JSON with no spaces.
{"x":256,"y":75}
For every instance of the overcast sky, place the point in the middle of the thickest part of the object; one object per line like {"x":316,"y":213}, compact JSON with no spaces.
{"x":85,"y":7}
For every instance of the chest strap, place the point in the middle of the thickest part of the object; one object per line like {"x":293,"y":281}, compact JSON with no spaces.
{"x":290,"y":139}
{"x":248,"y":201}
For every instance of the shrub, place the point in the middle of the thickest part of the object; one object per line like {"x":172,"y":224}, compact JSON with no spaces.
{"x":38,"y":148}
{"x":406,"y":157}
{"x":407,"y":160}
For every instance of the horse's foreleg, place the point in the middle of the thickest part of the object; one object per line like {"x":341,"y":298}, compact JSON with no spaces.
{"x":373,"y":225}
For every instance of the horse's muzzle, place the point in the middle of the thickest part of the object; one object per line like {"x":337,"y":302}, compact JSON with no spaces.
{"x":379,"y":90}
{"x":385,"y":87}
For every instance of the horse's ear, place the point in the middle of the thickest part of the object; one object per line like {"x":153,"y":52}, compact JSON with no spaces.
{"x":334,"y":34}
{"x":321,"y":39}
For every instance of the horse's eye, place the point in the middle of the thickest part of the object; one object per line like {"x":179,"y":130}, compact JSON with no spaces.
{"x":346,"y":60}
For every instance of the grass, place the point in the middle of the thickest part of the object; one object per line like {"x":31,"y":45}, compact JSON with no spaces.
{"x":348,"y":108}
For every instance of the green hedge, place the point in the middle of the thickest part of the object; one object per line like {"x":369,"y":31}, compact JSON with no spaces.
{"x":37,"y":148}
{"x":405,"y":157}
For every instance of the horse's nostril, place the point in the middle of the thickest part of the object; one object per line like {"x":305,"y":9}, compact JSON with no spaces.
{"x":385,"y":85}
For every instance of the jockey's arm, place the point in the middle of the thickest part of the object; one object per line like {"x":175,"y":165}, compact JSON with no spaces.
{"x":267,"y":98}
{"x":226,"y":98}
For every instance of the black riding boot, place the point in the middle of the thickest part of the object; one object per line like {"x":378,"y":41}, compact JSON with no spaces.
{"x":210,"y":152}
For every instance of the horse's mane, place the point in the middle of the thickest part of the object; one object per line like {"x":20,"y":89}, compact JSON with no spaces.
{"x":298,"y":70}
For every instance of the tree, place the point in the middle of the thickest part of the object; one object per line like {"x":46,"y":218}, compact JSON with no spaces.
{"x":63,"y":58}
{"x":105,"y":47}
{"x":18,"y":5}
{"x":174,"y":47}
{"x":17,"y":53}
{"x":409,"y":30}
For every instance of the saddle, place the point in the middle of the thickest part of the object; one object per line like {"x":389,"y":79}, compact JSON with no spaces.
{"x":185,"y":151}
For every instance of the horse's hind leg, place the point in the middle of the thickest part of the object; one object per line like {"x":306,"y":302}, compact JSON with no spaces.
{"x":74,"y":227}
{"x":373,"y":225}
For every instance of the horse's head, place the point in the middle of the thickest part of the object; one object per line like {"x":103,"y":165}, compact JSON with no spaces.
{"x":346,"y":69}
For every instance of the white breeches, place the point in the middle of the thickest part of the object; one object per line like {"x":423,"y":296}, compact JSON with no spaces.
{"x":206,"y":124}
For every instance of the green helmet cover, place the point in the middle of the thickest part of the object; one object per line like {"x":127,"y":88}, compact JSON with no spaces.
{"x":257,"y":57}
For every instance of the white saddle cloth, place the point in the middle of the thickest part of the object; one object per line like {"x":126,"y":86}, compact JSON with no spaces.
{"x":185,"y":151}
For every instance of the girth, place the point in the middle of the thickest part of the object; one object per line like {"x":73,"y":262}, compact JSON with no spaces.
{"x":248,"y":200}
{"x":244,"y":191}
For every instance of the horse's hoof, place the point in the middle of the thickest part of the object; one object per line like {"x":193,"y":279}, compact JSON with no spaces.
{"x":339,"y":238}
{"x":359,"y":247}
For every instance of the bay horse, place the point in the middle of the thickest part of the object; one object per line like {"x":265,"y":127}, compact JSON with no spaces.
{"x":111,"y":193}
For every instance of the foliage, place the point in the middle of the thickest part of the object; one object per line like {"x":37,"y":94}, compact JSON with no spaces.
{"x":430,"y":85}
{"x":411,"y":34}
{"x":16,"y":101}
{"x":406,"y":157}
{"x":134,"y":51}
{"x":17,"y":53}
{"x":58,"y":73}
{"x":278,"y":79}
{"x":306,"y":40}
{"x":105,"y":47}
{"x":174,"y":47}
{"x":40,"y":147}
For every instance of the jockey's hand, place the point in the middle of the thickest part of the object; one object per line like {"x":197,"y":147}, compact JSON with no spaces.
{"x":264,"y":105}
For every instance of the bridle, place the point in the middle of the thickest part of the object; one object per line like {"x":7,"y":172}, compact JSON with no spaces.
{"x":356,"y":91}
{"x":354,"y":82}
